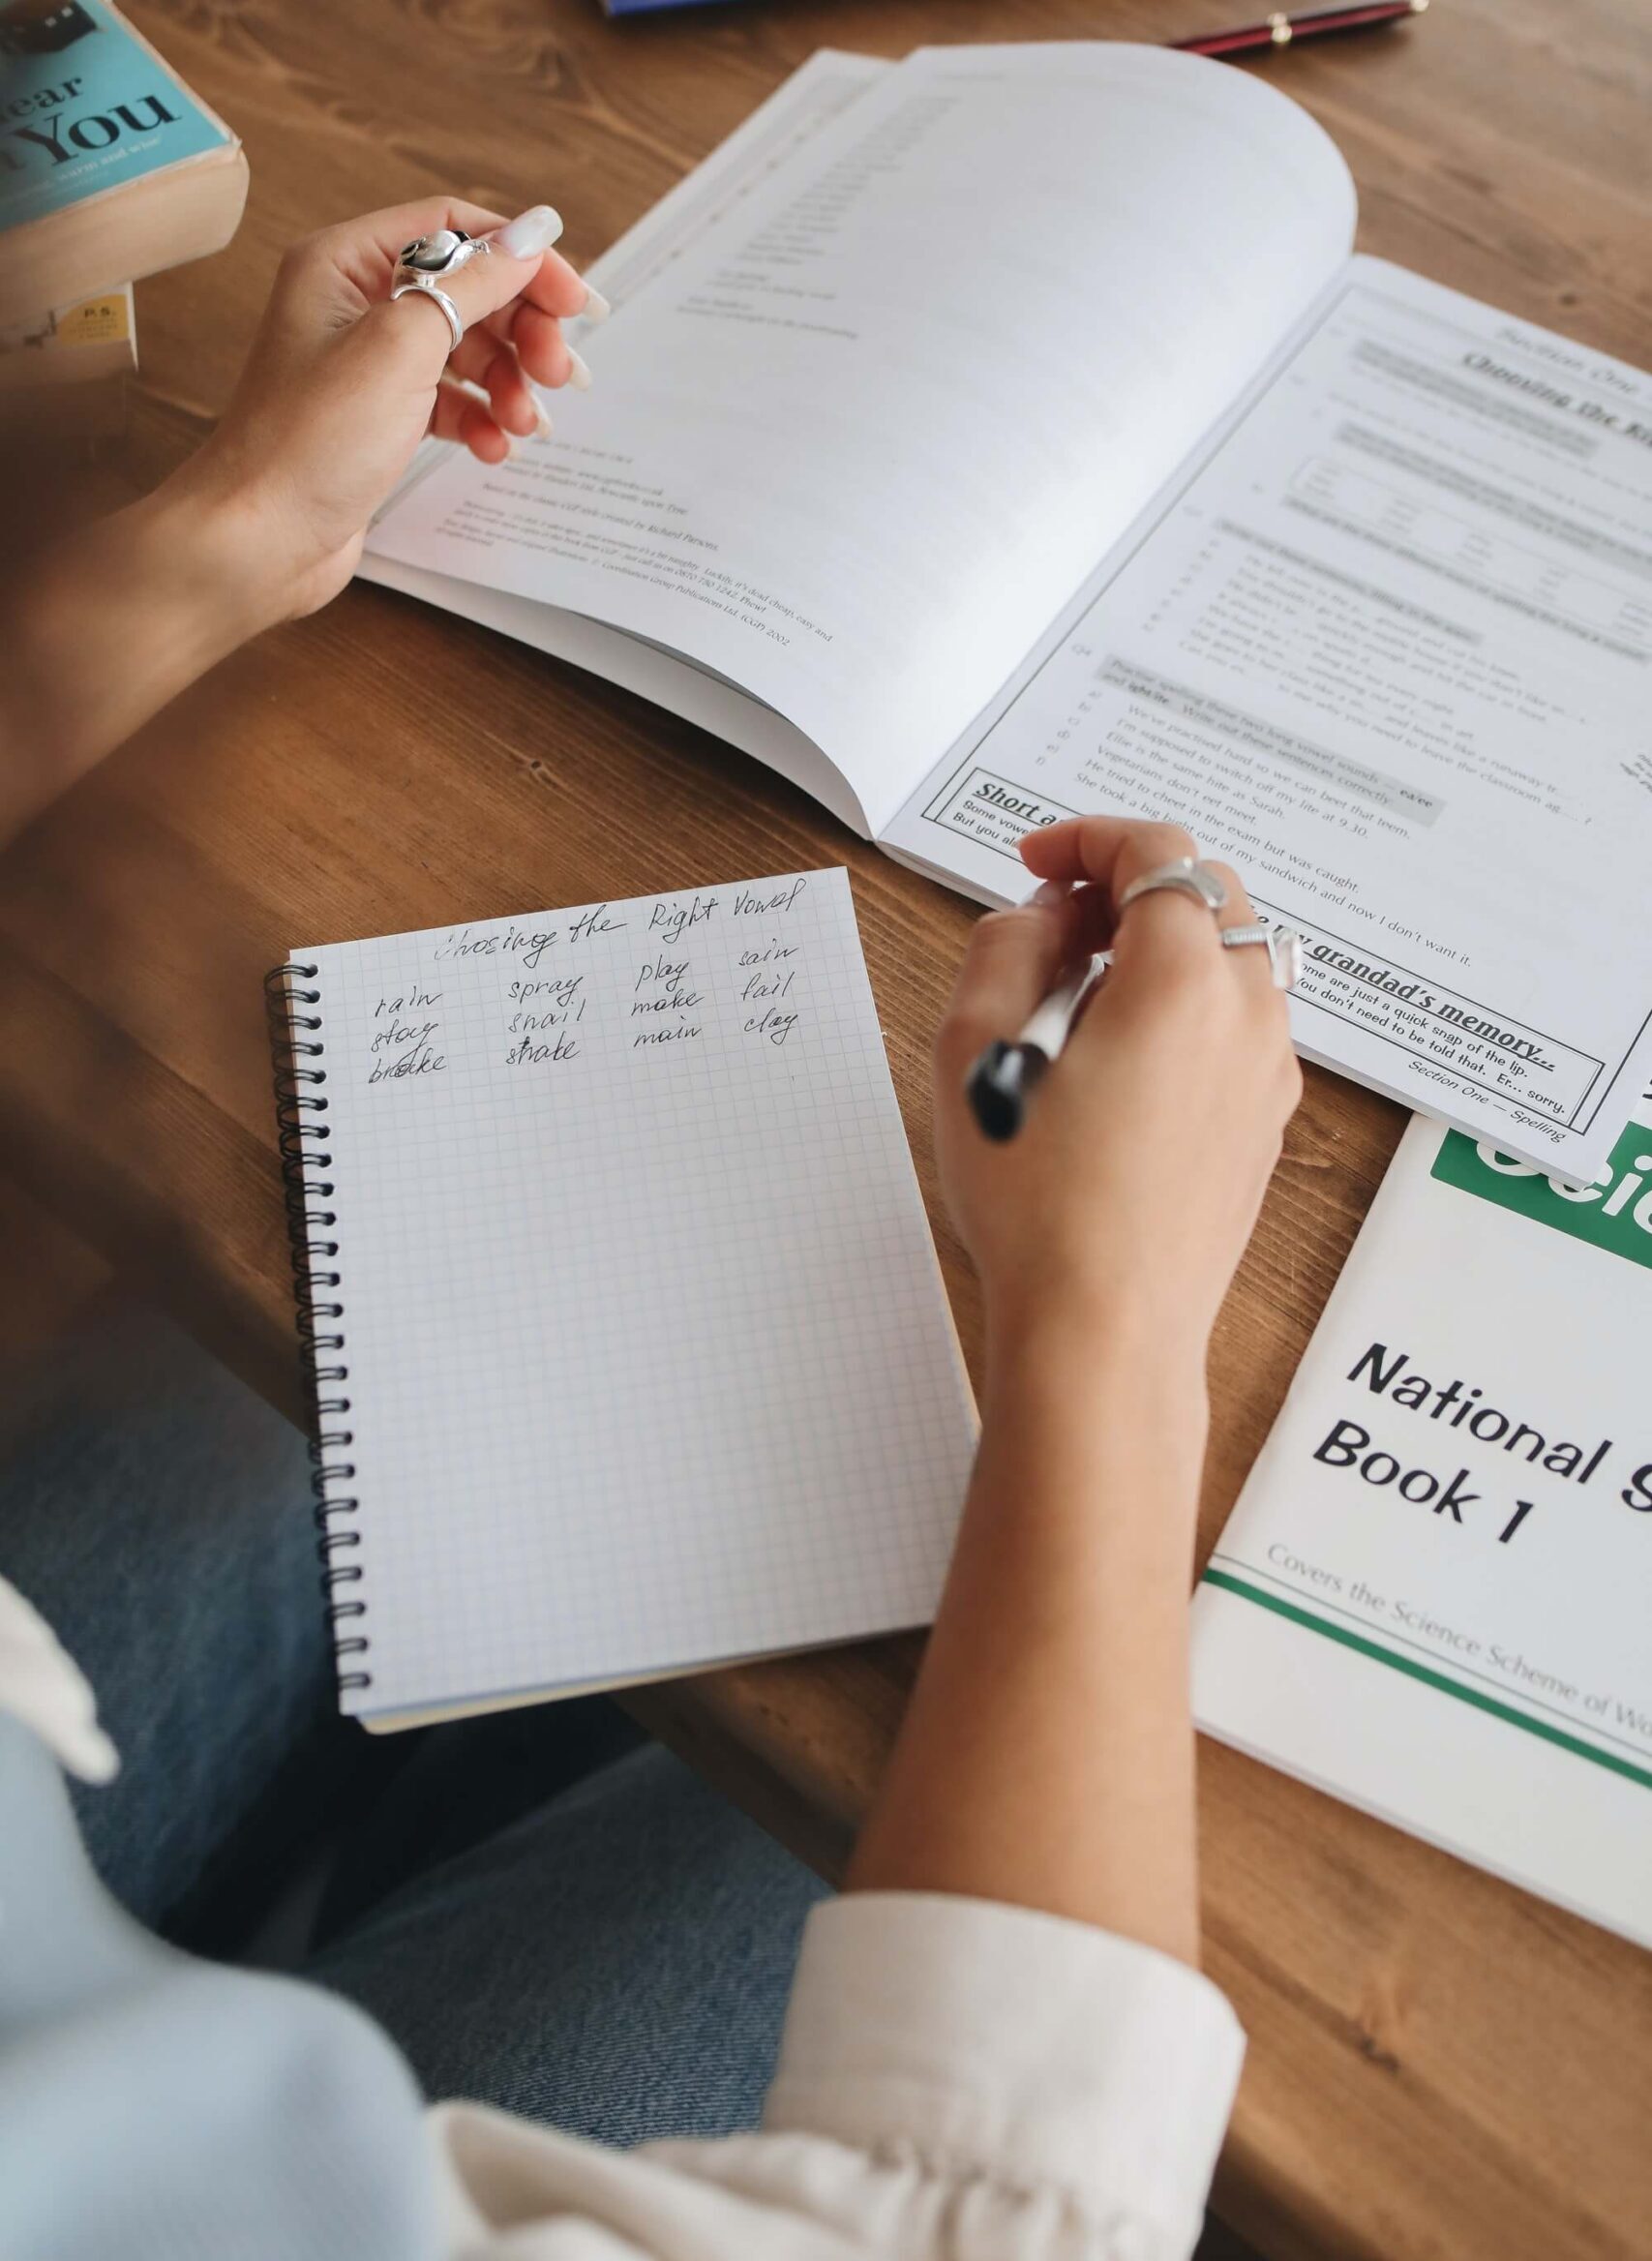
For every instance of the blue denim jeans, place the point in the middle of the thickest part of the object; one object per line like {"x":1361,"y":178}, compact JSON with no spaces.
{"x":544,"y":1913}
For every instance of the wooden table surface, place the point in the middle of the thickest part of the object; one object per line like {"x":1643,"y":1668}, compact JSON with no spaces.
{"x":1439,"y":2065}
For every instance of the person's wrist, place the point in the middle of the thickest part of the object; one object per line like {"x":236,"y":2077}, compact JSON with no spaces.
{"x":1113,"y":1417}
{"x":1095,"y":1337}
{"x":224,"y":548}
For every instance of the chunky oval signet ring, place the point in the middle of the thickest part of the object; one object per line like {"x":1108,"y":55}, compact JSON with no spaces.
{"x":1186,"y":877}
{"x":1283,"y":945}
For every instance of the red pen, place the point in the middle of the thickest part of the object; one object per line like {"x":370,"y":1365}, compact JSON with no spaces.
{"x":1280,"y":30}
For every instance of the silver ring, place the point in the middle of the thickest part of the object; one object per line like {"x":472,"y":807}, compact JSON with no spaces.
{"x":1185,"y":876}
{"x":1283,"y":945}
{"x":441,"y":252}
{"x":424,"y":287}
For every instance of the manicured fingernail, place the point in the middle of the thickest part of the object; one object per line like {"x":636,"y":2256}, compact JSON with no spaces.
{"x":597,"y":308}
{"x":579,"y":375}
{"x":542,"y":423}
{"x":1051,"y":895}
{"x":534,"y":231}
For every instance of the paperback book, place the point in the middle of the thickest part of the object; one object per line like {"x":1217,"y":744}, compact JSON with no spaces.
{"x":111,"y":167}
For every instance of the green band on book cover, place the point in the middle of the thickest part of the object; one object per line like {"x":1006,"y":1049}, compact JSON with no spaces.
{"x":1614,"y":1212}
{"x":1447,"y":1686}
{"x":83,"y":108}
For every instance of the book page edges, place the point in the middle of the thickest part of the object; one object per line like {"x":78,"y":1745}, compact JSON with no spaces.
{"x":38,"y":269}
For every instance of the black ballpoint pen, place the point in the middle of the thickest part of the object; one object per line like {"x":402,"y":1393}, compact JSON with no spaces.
{"x":1007,"y":1074}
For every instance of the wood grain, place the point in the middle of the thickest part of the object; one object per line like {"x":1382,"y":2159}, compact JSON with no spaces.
{"x":1439,"y":2065}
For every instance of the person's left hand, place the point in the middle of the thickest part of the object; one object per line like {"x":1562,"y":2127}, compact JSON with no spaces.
{"x":341,"y":384}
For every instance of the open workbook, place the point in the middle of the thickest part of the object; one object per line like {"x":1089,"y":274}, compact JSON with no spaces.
{"x":1008,"y":433}
{"x":630,"y":1350}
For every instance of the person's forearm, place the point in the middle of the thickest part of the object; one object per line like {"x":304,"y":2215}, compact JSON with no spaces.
{"x":109,"y":624}
{"x":1047,"y":1756}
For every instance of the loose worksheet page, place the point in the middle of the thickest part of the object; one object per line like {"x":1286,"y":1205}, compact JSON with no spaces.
{"x":1387,"y":648}
{"x":856,"y":445}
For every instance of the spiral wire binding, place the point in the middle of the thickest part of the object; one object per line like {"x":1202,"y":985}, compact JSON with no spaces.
{"x":301,"y":1109}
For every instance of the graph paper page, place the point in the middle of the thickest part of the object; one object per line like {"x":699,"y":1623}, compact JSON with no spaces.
{"x":649,"y":1359}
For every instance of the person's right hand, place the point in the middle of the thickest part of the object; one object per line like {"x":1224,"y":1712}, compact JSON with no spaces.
{"x":1128,"y":1196}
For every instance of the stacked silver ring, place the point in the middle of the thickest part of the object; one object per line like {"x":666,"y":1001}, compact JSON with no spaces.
{"x":1188,"y":877}
{"x":1283,"y":945}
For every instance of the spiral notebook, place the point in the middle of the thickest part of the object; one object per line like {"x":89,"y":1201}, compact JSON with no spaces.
{"x":629,"y":1348}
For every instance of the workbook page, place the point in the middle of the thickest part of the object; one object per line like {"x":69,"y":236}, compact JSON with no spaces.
{"x":799,"y":109}
{"x":649,"y":1360}
{"x":1387,"y":646}
{"x":860,"y":440}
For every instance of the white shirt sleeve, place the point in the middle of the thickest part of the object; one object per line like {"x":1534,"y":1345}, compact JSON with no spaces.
{"x":42,"y":1686}
{"x":956,"y":2079}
